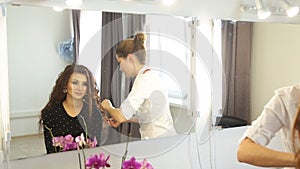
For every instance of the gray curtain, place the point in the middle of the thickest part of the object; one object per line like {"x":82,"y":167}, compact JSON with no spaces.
{"x":133,"y":23}
{"x":112,"y":33}
{"x":76,"y":32}
{"x":236,"y":50}
{"x":111,"y":78}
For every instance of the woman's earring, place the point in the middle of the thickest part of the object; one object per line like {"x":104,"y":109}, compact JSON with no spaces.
{"x":65,"y":90}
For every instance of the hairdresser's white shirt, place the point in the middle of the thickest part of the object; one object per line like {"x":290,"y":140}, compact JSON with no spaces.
{"x":278,"y":113}
{"x":148,"y":103}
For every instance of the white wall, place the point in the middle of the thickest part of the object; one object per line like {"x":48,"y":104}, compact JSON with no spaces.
{"x":275,"y":61}
{"x":33,"y":62}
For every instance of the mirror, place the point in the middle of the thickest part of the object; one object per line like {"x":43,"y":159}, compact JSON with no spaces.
{"x":274,"y":53}
{"x":34,"y":61}
{"x":274,"y":58}
{"x":33,"y":68}
{"x":34,"y":64}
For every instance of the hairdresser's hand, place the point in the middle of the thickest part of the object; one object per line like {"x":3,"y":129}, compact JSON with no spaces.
{"x":106,"y":104}
{"x":113,"y":123}
{"x":105,"y":117}
{"x":297,"y":160}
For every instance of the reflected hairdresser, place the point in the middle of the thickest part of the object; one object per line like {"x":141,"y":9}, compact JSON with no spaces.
{"x":147,"y":102}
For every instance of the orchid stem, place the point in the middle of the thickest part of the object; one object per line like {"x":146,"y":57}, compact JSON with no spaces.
{"x":50,"y":130}
{"x":85,"y":127}
{"x":126,"y":148}
{"x":79,"y":158}
{"x":84,"y":159}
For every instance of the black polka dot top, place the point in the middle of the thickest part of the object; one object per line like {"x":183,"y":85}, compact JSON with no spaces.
{"x":61,"y":124}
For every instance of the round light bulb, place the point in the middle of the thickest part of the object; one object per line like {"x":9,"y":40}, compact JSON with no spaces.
{"x":263,"y":13}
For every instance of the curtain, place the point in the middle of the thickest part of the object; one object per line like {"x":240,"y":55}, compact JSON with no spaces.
{"x":236,"y":52}
{"x":112,"y":33}
{"x":76,"y":32}
{"x":116,"y":27}
{"x":132,"y":23}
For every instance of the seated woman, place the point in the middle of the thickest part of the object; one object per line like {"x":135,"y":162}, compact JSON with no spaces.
{"x":73,"y":107}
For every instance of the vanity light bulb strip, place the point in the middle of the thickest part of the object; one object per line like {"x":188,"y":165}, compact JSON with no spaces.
{"x":250,"y":9}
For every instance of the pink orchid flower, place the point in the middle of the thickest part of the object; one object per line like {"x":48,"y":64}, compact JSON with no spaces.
{"x":97,"y":162}
{"x":131,"y":164}
{"x":146,"y":165}
{"x":80,"y":140}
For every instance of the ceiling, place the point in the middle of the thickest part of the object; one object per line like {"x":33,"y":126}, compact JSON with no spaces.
{"x":200,"y":8}
{"x":220,"y":9}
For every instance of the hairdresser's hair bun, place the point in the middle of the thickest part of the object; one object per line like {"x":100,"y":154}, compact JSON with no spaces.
{"x":140,"y":37}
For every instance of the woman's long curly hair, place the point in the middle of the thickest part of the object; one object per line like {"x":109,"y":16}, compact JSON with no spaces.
{"x":58,"y":96}
{"x":296,"y":137}
{"x":296,"y":129}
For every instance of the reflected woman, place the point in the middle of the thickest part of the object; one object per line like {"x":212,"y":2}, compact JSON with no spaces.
{"x":147,"y":103}
{"x":73,"y":107}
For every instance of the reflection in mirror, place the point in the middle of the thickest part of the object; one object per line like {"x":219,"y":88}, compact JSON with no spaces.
{"x":274,"y":61}
{"x":169,"y":49}
{"x":274,"y":58}
{"x":236,"y":59}
{"x":34,"y":64}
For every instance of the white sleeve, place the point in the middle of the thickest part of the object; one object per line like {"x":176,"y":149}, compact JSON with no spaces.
{"x":264,"y":128}
{"x":127,"y":109}
{"x":140,"y":91}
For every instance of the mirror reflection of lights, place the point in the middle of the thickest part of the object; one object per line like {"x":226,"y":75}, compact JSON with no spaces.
{"x":57,"y":9}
